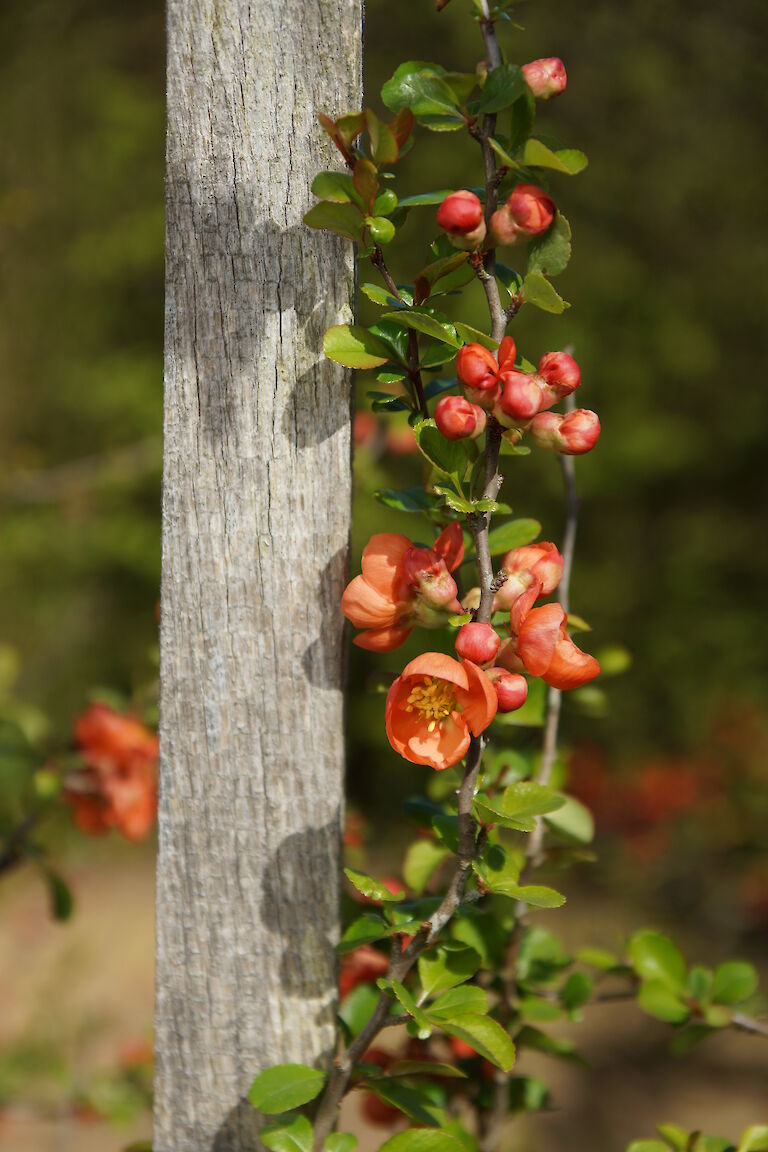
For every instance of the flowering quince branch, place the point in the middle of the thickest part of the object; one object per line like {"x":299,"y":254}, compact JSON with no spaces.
{"x":467,"y":972}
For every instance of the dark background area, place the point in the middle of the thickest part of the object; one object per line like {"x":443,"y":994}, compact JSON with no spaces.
{"x":667,"y":283}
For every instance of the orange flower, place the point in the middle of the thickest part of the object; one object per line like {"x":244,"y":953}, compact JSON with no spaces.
{"x":547,"y":650}
{"x":363,"y":966}
{"x":402,"y":585}
{"x":434,"y":707}
{"x":117,"y":785}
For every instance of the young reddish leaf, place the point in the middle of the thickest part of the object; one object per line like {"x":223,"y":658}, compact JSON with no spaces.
{"x":402,"y":126}
{"x":366,"y":181}
{"x":384,"y":146}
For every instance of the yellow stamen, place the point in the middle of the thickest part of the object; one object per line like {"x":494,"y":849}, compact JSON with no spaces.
{"x":435,"y":700}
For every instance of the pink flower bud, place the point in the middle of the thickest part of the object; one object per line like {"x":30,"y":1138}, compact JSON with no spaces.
{"x":483,"y":399}
{"x":477,"y":642}
{"x":573,"y":434}
{"x":529,"y":211}
{"x":538,"y":565}
{"x":457,"y":418}
{"x":511,"y":688}
{"x":477,"y":368}
{"x":424,"y":570}
{"x":560,"y":371}
{"x":545,"y":78}
{"x":461,"y":216}
{"x":522,"y":395}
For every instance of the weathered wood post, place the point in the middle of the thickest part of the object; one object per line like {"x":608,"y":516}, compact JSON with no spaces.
{"x":256,"y":508}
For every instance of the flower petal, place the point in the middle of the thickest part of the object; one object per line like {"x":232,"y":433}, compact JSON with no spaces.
{"x":538,"y":637}
{"x":382,"y":564}
{"x":570,"y":667}
{"x":383,"y":639}
{"x":450,"y":545}
{"x":367,"y":608}
{"x":480,"y":702}
{"x":439,"y":666}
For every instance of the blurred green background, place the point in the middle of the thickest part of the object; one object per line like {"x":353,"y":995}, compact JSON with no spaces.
{"x":667,"y":282}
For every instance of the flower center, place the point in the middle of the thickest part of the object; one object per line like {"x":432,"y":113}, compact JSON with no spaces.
{"x":434,"y":699}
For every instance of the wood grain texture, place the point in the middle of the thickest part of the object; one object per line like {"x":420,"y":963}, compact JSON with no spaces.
{"x":256,"y":515}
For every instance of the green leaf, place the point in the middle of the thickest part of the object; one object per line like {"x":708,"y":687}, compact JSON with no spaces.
{"x":576,"y":991}
{"x":444,"y":968}
{"x":550,"y":253}
{"x":334,"y":186}
{"x":511,"y":280}
{"x":539,"y":1041}
{"x":655,"y":957}
{"x":498,"y":869}
{"x":384,"y":148}
{"x":441,"y":330}
{"x":567,"y":160}
{"x":518,"y":805}
{"x":340,"y":1142}
{"x":657,"y":999}
{"x":503,"y":86}
{"x":413,"y":1101}
{"x":425,"y":199}
{"x":536,"y":290}
{"x":284,"y":1087}
{"x":466,"y":999}
{"x":379,"y":295}
{"x":370,"y":887}
{"x":754,"y":1139}
{"x":573,"y":822}
{"x":354,"y":347}
{"x":386,"y":402}
{"x":410,"y":1006}
{"x":613,"y":660}
{"x":513,"y":534}
{"x":647,"y":1146}
{"x":422,"y":1140}
{"x":734,"y":981}
{"x":422,"y":860}
{"x":538,"y":896}
{"x":406,"y":500}
{"x":60,"y":896}
{"x":435,"y":271}
{"x":447,"y":456}
{"x":364,"y":930}
{"x":419,"y":86}
{"x":598,"y":958}
{"x":358,"y":1007}
{"x":485,"y":1035}
{"x":425,"y":1068}
{"x":470,"y":335}
{"x":521,"y":118}
{"x":343,"y":219}
{"x":294,"y":1135}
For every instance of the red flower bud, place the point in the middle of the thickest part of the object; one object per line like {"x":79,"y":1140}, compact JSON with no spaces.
{"x":560,"y":375}
{"x":457,"y":418}
{"x":477,"y":642}
{"x":545,"y":78}
{"x":531,"y":564}
{"x":573,"y":434}
{"x":511,"y":688}
{"x":522,"y":396}
{"x":529,"y":211}
{"x":477,"y":368}
{"x":461,"y":216}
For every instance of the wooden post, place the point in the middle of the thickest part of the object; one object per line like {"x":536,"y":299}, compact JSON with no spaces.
{"x":256,"y":514}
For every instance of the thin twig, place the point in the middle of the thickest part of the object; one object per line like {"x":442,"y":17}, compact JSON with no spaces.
{"x":554,"y":695}
{"x":414,"y":371}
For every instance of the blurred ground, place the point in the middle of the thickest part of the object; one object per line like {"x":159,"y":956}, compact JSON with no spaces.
{"x":77,"y":999}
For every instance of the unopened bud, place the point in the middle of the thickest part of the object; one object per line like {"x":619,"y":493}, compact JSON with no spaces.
{"x":425,"y":570}
{"x":457,"y":418}
{"x":545,"y":78}
{"x":561,"y":374}
{"x":529,"y":211}
{"x":461,"y":216}
{"x":573,"y":434}
{"x":477,"y":642}
{"x":511,"y":688}
{"x":522,"y":396}
{"x":477,"y":368}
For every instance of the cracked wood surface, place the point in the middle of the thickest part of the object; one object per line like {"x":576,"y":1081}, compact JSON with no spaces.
{"x":256,"y":515}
